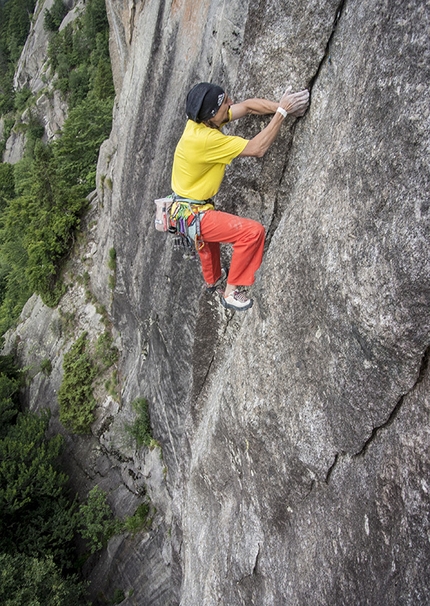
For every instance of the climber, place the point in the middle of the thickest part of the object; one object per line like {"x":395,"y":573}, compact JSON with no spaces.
{"x":200,"y":158}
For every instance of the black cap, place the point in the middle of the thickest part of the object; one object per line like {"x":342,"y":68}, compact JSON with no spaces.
{"x":203,"y":101}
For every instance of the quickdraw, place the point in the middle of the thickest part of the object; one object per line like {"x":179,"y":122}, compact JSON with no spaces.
{"x":187,"y":231}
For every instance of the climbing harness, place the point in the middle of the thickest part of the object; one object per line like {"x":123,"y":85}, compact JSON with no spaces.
{"x":182,"y":217}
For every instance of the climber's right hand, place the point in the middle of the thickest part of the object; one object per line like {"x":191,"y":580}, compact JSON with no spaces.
{"x":295,"y":104}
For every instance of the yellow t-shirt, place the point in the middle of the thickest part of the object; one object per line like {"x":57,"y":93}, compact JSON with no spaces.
{"x":200,"y":160}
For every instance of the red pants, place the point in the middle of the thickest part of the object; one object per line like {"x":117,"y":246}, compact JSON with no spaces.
{"x":247,"y":237}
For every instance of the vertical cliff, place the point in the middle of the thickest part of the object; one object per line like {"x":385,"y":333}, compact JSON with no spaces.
{"x":295,"y":436}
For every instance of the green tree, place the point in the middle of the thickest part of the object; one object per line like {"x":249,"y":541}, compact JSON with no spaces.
{"x":9,"y":385}
{"x":15,"y":18}
{"x":140,"y":429}
{"x":39,"y":220}
{"x":35,"y":131}
{"x":97,"y":523}
{"x":37,"y":228}
{"x":22,"y":172}
{"x":78,"y":85}
{"x":21,"y":98}
{"x":38,"y":521}
{"x":7,"y":184}
{"x":30,"y":581}
{"x":14,"y":288}
{"x":95,"y":19}
{"x":103,"y":88}
{"x":36,"y":517}
{"x":75,"y":396}
{"x":18,"y":14}
{"x":54,"y":17}
{"x":77,"y":150}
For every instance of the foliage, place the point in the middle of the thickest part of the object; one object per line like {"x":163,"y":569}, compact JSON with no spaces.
{"x":8,"y":122}
{"x":30,"y":581}
{"x":76,"y":151}
{"x":36,"y":230}
{"x":55,"y":15}
{"x":140,"y":429}
{"x":38,"y":521}
{"x":97,"y":524}
{"x":105,"y":351}
{"x":36,"y":517}
{"x":46,"y":366}
{"x":9,"y":385}
{"x":79,"y":55}
{"x":75,"y":396}
{"x":112,"y":259}
{"x":40,"y":215}
{"x":15,"y":19}
{"x":112,"y":281}
{"x":140,"y":520}
{"x":34,"y":132}
{"x":7,"y":184}
{"x":118,"y":596}
{"x":21,"y":98}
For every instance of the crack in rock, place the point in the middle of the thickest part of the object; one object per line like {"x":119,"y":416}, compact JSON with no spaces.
{"x":394,"y":413}
{"x":326,"y":55}
{"x":396,"y":409}
{"x":331,"y":468}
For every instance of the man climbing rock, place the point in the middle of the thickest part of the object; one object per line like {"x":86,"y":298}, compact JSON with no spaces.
{"x":199,"y":163}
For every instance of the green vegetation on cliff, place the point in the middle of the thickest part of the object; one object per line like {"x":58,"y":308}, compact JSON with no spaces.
{"x":39,"y":517}
{"x":79,"y":56}
{"x":43,"y":197}
{"x":82,"y":364}
{"x":75,"y":396}
{"x":15,"y":19}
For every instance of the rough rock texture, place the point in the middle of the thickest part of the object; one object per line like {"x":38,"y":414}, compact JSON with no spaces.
{"x":295,"y":435}
{"x":121,"y":22}
{"x":51,"y":111}
{"x":33,"y":65}
{"x":31,"y":69}
{"x":15,"y":147}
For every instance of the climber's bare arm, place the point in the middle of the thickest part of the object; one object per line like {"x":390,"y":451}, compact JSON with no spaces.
{"x":297,"y":105}
{"x":259,"y":107}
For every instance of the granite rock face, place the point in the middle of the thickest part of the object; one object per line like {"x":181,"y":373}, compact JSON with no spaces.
{"x":296,"y":435}
{"x":32,"y":65}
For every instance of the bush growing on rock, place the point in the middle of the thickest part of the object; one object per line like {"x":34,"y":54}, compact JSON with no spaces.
{"x":97,"y":523}
{"x":75,"y":396}
{"x":55,"y":15}
{"x":140,"y":429}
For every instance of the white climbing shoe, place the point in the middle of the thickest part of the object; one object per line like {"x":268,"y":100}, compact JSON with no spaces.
{"x":237,"y":301}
